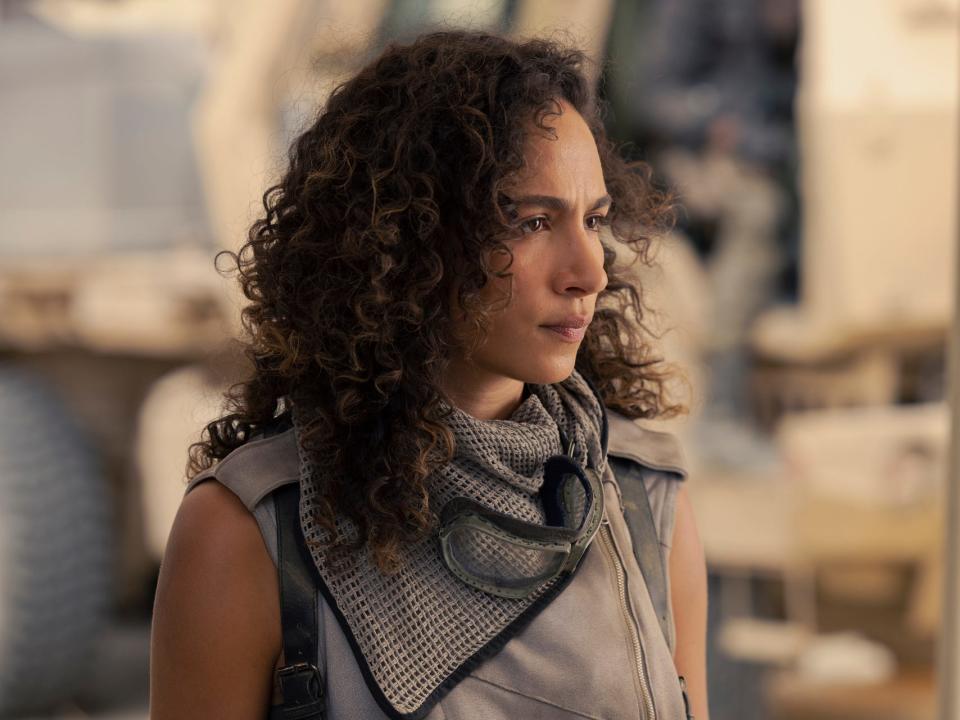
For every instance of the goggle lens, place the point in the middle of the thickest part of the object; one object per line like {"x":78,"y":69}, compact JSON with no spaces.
{"x":489,"y":559}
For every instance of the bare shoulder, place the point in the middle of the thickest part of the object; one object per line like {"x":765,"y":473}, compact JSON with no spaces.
{"x":216,"y":624}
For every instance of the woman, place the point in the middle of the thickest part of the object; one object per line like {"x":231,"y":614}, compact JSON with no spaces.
{"x":446,"y":361}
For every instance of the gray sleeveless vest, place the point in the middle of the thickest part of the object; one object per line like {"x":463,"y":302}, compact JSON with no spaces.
{"x":597,"y":650}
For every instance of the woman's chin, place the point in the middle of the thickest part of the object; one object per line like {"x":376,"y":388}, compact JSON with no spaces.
{"x":549,"y":374}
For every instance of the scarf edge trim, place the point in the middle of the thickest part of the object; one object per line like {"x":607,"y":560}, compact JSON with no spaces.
{"x":462,"y":671}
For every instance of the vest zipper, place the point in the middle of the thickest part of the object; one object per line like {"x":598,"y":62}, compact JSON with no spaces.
{"x":610,"y":548}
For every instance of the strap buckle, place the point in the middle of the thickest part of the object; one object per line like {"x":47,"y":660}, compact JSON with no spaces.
{"x":302,"y":689}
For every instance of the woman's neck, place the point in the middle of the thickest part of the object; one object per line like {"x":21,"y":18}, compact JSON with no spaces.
{"x":482,"y":395}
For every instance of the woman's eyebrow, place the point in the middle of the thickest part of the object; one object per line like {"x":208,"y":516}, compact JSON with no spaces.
{"x":552,"y":202}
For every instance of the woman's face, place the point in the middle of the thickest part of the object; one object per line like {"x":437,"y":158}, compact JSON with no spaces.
{"x":558,"y":205}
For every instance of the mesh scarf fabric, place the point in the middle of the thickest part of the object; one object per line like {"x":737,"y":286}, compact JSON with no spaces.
{"x":416,"y":628}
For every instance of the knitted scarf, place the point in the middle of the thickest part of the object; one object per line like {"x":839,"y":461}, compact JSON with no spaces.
{"x":419,"y":631}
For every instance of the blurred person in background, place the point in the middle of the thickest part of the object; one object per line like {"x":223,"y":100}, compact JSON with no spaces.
{"x":446,"y":365}
{"x":718,"y":104}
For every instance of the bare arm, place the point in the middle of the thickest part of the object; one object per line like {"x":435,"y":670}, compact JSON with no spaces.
{"x":216,"y":619}
{"x":688,"y":599}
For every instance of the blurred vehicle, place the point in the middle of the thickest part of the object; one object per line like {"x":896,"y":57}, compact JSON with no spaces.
{"x":106,"y":283}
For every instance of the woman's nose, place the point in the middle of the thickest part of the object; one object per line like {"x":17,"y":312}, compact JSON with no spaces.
{"x":581,"y":269}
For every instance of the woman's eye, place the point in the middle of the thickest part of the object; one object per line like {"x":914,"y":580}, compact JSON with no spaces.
{"x":595,"y":222}
{"x":533,"y":225}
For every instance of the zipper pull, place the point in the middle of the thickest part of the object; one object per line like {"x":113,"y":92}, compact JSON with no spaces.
{"x":686,"y":700}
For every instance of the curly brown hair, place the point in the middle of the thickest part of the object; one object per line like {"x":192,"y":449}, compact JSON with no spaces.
{"x":394,"y":192}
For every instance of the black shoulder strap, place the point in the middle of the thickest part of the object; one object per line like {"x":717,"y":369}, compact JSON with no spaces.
{"x":300,"y":680}
{"x":643,"y":532}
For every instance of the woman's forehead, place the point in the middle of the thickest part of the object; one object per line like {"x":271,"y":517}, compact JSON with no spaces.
{"x":565,"y":161}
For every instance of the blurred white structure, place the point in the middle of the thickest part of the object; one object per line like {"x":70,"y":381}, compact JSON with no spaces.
{"x":878,"y":117}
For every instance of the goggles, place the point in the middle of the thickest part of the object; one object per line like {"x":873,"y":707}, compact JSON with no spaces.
{"x":511,"y":558}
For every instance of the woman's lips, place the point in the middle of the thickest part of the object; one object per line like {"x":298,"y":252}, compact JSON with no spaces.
{"x":569,"y":334}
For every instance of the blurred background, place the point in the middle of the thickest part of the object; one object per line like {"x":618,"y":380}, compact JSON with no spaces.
{"x":806,"y":294}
